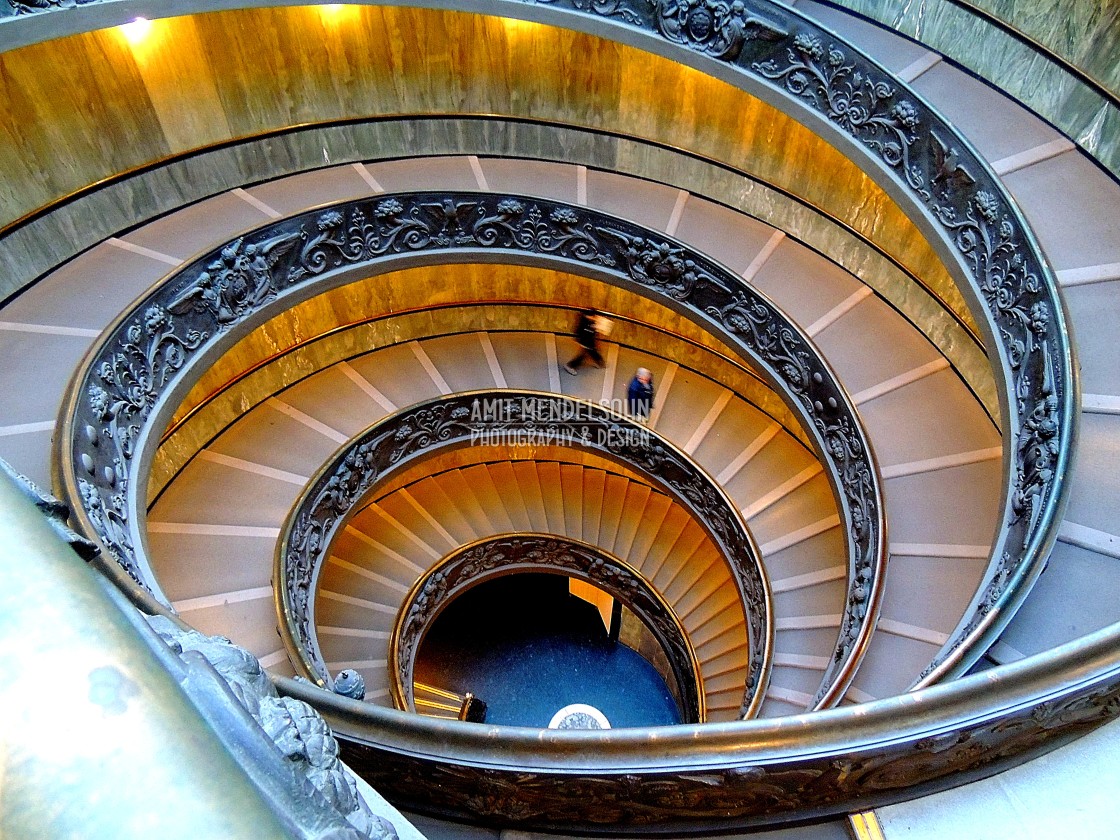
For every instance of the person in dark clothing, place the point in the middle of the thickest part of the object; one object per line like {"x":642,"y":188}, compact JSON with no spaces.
{"x":587,"y":337}
{"x":639,"y":396}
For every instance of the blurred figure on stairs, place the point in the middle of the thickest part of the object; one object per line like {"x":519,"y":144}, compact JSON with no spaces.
{"x":589,"y":326}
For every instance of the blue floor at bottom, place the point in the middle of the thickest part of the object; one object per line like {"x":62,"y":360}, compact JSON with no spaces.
{"x":527,"y":648}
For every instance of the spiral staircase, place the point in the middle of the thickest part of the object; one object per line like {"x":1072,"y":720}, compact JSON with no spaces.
{"x":248,"y":434}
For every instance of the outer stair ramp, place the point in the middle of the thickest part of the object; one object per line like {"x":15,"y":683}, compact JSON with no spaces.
{"x":832,"y":306}
{"x":1070,"y":203}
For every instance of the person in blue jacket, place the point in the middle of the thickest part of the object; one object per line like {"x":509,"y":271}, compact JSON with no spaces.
{"x":639,"y":396}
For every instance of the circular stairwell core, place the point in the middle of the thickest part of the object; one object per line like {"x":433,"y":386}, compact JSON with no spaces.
{"x":527,"y":646}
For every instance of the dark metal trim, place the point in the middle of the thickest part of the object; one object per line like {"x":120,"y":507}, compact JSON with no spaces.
{"x":726,"y":776}
{"x":344,"y":484}
{"x":918,"y":154}
{"x":123,"y":392}
{"x":1016,"y":34}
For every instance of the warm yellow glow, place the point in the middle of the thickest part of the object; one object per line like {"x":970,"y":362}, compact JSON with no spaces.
{"x":866,"y":826}
{"x":515,"y":26}
{"x":337,"y":12}
{"x":136,"y":31}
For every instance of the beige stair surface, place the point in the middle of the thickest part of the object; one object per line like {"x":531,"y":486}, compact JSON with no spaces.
{"x":367,"y":575}
{"x":694,"y":412}
{"x":279,"y":444}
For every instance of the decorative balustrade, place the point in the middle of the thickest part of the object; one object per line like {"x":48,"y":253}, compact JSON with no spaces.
{"x":681,"y":778}
{"x":749,"y":773}
{"x":1001,"y":43}
{"x":727,"y":776}
{"x":510,"y":418}
{"x":770,"y":50}
{"x":189,"y":735}
{"x":128,"y":385}
{"x":774,"y":51}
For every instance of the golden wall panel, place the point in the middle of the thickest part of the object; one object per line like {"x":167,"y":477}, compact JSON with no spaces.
{"x":417,"y":288}
{"x":77,"y":112}
{"x":167,"y":62}
{"x":239,"y":73}
{"x":277,"y":355}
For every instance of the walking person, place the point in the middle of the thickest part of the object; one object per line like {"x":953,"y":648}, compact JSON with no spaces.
{"x":639,"y":396}
{"x":586,"y":335}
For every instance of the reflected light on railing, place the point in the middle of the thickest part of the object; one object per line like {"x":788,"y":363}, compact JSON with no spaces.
{"x":516,"y":27}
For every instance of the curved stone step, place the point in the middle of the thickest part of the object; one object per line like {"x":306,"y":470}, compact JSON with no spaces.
{"x":360,"y":571}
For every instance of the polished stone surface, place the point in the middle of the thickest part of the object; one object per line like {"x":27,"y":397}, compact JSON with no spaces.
{"x":1070,"y":792}
{"x":292,"y":359}
{"x":1083,"y":32}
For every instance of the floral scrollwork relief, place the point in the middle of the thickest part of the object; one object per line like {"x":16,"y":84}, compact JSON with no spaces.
{"x":31,"y":7}
{"x":992,"y":242}
{"x":925,"y":154}
{"x":239,"y":282}
{"x":475,"y":419}
{"x":718,"y":28}
{"x":746,"y":785}
{"x":194,"y":314}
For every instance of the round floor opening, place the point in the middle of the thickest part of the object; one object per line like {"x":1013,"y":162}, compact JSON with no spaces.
{"x":527,"y":646}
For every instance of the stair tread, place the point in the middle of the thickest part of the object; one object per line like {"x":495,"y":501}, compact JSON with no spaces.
{"x":337,"y":400}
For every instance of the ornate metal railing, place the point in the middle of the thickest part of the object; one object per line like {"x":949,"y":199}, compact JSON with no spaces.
{"x":774,"y":51}
{"x":682,"y":778}
{"x":745,"y":774}
{"x":887,"y":750}
{"x":523,"y":552}
{"x":997,"y":50}
{"x":128,"y":384}
{"x":506,"y":418}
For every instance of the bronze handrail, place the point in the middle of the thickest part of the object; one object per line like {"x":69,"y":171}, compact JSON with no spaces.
{"x":914,"y":743}
{"x":751,"y":773}
{"x":127,"y":386}
{"x":355,"y":472}
{"x":744,"y":774}
{"x":769,"y":770}
{"x":120,"y":748}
